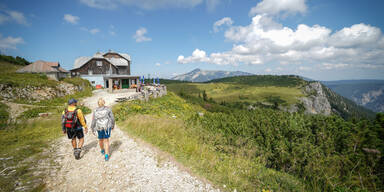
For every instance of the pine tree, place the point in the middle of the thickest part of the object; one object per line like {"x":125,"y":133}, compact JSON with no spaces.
{"x":205,"y":96}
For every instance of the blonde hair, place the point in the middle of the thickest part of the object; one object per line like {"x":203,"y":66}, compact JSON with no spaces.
{"x":101,"y":102}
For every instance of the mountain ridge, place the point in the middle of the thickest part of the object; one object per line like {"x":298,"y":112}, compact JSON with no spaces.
{"x":199,"y":75}
{"x":366,"y":92}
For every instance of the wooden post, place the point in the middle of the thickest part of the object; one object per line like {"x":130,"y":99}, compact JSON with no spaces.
{"x":110,"y":83}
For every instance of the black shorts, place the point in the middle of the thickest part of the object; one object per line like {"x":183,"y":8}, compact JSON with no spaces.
{"x":75,"y":132}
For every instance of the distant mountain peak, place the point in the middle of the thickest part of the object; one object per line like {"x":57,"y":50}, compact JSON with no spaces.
{"x":199,"y":75}
{"x":196,"y":70}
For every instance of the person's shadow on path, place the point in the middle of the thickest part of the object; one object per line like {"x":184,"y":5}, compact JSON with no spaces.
{"x":88,"y":147}
{"x":115,"y":146}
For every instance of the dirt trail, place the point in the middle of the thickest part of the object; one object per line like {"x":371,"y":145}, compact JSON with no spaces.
{"x":132,"y":167}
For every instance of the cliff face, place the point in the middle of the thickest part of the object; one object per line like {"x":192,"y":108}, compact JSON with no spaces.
{"x":316,"y":102}
{"x":373,"y":99}
{"x":35,"y":94}
{"x":322,"y":100}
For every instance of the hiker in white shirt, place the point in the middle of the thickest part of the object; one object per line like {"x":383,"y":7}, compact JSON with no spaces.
{"x":103,"y":122}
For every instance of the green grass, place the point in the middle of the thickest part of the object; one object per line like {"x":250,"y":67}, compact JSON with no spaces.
{"x":230,"y":92}
{"x":24,"y":141}
{"x":264,"y":80}
{"x":260,"y":149}
{"x":4,"y":115}
{"x":153,"y":122}
{"x":10,"y":77}
{"x":23,"y":144}
{"x":33,"y":112}
{"x":14,"y":60}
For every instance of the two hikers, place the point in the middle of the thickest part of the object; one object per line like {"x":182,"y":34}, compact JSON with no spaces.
{"x":73,"y":122}
{"x":103,"y":122}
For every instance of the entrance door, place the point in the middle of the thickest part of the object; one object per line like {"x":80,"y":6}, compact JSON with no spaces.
{"x":125,"y":83}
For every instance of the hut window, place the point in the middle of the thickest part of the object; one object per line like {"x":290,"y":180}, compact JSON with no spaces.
{"x":99,"y":63}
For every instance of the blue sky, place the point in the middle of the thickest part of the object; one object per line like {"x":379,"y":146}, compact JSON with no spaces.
{"x":319,"y":39}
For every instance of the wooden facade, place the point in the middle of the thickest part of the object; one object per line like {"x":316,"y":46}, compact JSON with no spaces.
{"x":110,"y":70}
{"x":122,"y":69}
{"x":93,"y":67}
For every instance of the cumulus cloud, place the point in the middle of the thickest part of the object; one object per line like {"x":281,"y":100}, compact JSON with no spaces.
{"x":265,"y":41}
{"x":197,"y":56}
{"x":275,"y":7}
{"x":12,"y":16}
{"x":71,"y":18}
{"x":149,"y":4}
{"x":157,"y":64}
{"x":224,"y":21}
{"x":9,"y":42}
{"x":140,"y":35}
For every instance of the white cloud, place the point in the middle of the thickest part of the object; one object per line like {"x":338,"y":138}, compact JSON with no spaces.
{"x":100,"y":4}
{"x":212,"y":4}
{"x":140,"y":35}
{"x":279,"y":69}
{"x":157,"y":64}
{"x":71,"y":18}
{"x":275,"y":7}
{"x":13,"y":16}
{"x":112,"y":30}
{"x":92,"y":31}
{"x":198,"y":56}
{"x":224,"y":21}
{"x":302,"y":68}
{"x":268,"y":70}
{"x":329,"y":66}
{"x":9,"y":42}
{"x":266,"y":41}
{"x":149,"y":4}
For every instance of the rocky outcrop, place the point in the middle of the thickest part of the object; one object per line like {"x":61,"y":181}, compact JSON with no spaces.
{"x":372,"y":99}
{"x":316,"y":101}
{"x":35,"y":94}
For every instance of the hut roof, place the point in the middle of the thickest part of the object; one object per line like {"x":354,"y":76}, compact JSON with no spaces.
{"x":41,"y":66}
{"x":80,"y":61}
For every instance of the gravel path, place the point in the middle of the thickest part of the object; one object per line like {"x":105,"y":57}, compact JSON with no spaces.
{"x":132,"y":166}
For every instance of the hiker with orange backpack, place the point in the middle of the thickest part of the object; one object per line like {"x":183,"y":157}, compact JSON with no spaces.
{"x":73,"y":122}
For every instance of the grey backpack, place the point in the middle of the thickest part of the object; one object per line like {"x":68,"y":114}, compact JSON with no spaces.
{"x":102,"y":119}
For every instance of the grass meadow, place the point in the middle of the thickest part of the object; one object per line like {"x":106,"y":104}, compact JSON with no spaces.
{"x":229,"y":92}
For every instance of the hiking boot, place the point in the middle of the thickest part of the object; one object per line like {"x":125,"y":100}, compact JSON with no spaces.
{"x":102,"y":152}
{"x":77,"y":152}
{"x":106,"y":157}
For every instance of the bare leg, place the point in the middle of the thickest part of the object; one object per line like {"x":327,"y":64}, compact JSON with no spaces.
{"x":81,"y":142}
{"x":106,"y":142}
{"x":74,"y":143}
{"x":101,"y":144}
